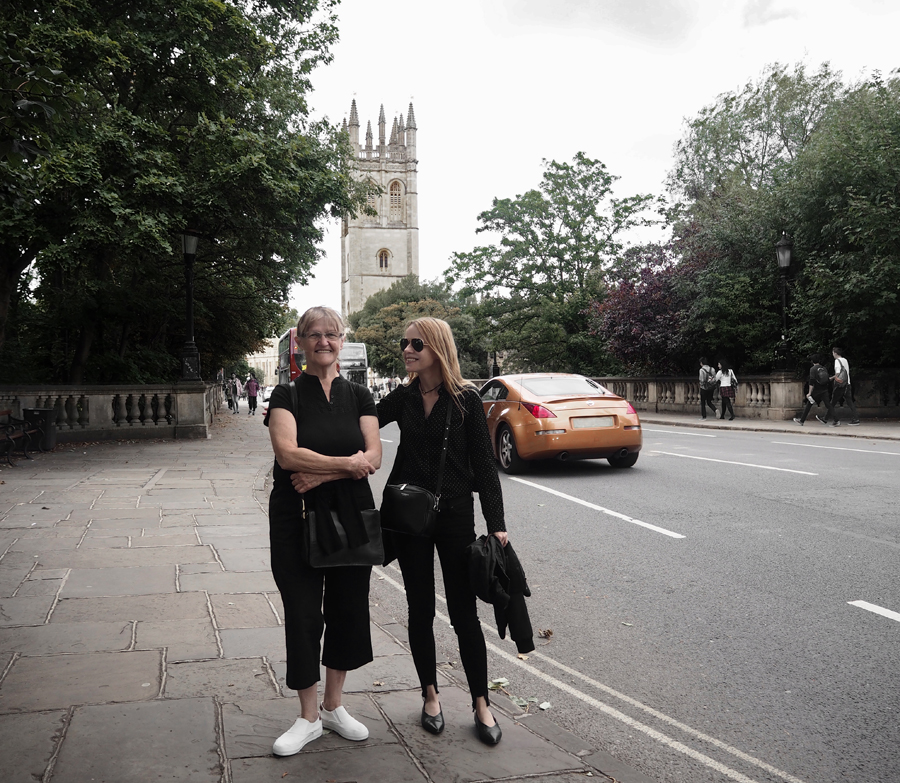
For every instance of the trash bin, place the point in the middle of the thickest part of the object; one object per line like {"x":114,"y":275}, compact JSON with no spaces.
{"x":45,"y":418}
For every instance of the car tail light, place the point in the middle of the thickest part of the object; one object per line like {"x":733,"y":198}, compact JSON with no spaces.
{"x":538,"y":411}
{"x":631,"y":410}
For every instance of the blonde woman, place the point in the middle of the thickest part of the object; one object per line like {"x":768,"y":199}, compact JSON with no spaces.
{"x":420,"y":409}
{"x":324,"y":453}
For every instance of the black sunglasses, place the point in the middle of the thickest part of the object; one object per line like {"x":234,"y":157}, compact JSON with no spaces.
{"x":416,"y":343}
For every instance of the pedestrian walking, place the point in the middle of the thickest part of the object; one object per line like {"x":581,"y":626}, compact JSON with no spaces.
{"x":237,"y":390}
{"x":707,"y":388}
{"x":816,"y":387}
{"x":437,"y":401}
{"x":841,"y":391}
{"x":252,"y":392}
{"x":324,"y":452}
{"x":727,"y":384}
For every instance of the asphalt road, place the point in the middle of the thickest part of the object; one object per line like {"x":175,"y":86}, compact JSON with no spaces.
{"x":700,"y":604}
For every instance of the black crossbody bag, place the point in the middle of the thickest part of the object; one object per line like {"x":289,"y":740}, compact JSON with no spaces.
{"x":368,"y":554}
{"x":406,"y":508}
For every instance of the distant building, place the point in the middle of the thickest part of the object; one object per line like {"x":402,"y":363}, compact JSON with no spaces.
{"x":266,"y":360}
{"x":377,"y":250}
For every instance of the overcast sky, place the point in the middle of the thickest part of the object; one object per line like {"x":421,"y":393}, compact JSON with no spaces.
{"x":499,"y":85}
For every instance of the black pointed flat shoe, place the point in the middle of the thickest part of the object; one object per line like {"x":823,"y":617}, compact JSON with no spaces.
{"x":489,"y":735}
{"x":433,"y":723}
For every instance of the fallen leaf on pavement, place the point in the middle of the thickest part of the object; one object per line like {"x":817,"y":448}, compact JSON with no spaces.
{"x":545,"y":634}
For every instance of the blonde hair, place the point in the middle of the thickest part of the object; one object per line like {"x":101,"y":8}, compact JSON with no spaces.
{"x":319,"y":314}
{"x":439,"y":336}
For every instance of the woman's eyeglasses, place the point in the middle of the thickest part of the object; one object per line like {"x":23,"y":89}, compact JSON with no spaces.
{"x":330,"y":336}
{"x":416,"y":343}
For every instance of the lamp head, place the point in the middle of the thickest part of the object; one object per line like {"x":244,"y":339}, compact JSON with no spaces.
{"x":783,"y":251}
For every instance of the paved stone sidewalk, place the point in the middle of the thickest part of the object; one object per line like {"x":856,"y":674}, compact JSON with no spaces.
{"x":141,"y":638}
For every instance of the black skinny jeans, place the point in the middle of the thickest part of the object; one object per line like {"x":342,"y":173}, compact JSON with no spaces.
{"x":706,"y":398}
{"x":455,"y":531}
{"x":343,"y":611}
{"x":818,"y":396}
{"x":841,"y":392}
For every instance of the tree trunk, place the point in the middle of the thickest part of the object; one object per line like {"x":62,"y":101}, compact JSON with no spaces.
{"x":12,"y":265}
{"x":82,"y":351}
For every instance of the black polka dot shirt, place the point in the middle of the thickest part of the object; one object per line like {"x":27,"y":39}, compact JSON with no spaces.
{"x":470,"y":463}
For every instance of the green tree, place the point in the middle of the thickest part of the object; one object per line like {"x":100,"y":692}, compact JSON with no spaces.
{"x":381,"y":323}
{"x":746,"y":137}
{"x":731,"y":168}
{"x":843,"y":204}
{"x":554,"y":246}
{"x":194,"y":116}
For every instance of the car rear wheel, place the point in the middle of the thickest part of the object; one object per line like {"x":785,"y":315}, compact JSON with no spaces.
{"x":510,"y":461}
{"x":623,"y":462}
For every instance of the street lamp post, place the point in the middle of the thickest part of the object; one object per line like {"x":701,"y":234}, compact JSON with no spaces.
{"x":495,"y":368}
{"x":190,"y":355}
{"x":783,"y":254}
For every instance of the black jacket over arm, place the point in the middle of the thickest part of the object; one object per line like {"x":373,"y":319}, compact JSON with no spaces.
{"x":497,"y":577}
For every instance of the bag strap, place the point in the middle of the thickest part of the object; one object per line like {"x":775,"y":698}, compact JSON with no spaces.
{"x":440,"y":476}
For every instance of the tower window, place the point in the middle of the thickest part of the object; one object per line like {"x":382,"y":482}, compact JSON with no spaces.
{"x":383,"y":259}
{"x":396,"y":202}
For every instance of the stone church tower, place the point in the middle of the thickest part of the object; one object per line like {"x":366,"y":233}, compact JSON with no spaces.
{"x":378,"y":250}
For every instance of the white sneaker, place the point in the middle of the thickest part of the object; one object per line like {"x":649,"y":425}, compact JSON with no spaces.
{"x":298,"y":735}
{"x":339,"y":720}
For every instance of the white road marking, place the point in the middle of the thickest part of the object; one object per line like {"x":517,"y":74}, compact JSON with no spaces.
{"x":679,"y":432}
{"x":598,"y":508}
{"x":386,"y":441}
{"x":621,"y":716}
{"x":876,"y":609}
{"x":835,"y":448}
{"x":730,"y":462}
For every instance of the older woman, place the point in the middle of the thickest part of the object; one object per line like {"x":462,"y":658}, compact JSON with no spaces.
{"x":420,"y":408}
{"x":331,"y":443}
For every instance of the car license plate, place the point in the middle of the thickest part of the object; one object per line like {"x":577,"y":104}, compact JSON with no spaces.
{"x":585,"y":422}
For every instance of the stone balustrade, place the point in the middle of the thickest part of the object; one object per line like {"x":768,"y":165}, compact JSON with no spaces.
{"x":778,"y":396}
{"x":182,"y":410}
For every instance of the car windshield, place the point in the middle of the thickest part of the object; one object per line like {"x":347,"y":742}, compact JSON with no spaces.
{"x":562,"y":386}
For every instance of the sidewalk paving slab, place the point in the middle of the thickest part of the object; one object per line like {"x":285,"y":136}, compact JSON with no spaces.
{"x":134,"y":743}
{"x":33,"y":738}
{"x":61,"y":681}
{"x":231,"y":680}
{"x":59,"y":638}
{"x":143,"y":580}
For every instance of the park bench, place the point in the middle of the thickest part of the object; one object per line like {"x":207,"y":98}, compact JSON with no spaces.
{"x":19,"y":433}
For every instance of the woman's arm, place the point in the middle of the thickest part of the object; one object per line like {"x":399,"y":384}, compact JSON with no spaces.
{"x":304,"y":481}
{"x":481,"y":457}
{"x":389,"y":408}
{"x":290,"y":457}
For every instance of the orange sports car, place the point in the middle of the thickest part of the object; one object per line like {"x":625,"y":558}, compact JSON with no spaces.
{"x":558,"y":416}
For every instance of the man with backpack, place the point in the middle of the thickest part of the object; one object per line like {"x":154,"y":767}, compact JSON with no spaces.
{"x":707,"y":387}
{"x":841,"y":392}
{"x":816,"y":387}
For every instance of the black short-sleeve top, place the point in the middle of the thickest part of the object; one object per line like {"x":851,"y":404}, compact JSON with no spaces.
{"x":470,"y":463}
{"x":329,"y":427}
